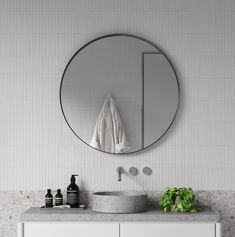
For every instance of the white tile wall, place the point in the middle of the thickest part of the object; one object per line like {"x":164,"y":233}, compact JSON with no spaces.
{"x":37,"y":38}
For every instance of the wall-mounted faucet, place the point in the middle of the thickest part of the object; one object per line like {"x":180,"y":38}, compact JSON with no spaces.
{"x":120,"y":170}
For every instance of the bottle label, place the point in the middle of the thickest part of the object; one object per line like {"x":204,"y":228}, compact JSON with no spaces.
{"x":72,"y":198}
{"x":49,"y":202}
{"x":58,"y":201}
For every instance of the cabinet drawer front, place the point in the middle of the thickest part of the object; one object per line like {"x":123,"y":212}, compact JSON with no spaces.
{"x":71,"y":229}
{"x":167,"y":229}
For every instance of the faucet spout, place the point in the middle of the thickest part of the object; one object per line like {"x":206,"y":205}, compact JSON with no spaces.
{"x":120,"y":171}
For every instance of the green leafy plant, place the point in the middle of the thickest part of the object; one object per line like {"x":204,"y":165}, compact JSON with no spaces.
{"x":179,"y":200}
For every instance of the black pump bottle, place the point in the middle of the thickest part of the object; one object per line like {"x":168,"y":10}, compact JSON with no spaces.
{"x":73,"y":193}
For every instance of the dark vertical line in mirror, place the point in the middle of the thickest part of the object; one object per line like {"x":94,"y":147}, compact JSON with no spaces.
{"x":143,"y":95}
{"x":142,"y":109}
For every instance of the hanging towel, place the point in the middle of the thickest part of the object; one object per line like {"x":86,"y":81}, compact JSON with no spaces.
{"x":109,"y":133}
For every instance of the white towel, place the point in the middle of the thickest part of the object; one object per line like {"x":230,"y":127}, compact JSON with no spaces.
{"x":109,"y":133}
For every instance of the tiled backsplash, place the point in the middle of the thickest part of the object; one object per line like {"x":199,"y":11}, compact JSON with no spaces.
{"x":37,"y":148}
{"x":15,"y":202}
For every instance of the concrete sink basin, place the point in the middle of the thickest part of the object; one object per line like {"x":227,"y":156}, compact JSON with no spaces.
{"x":119,"y":202}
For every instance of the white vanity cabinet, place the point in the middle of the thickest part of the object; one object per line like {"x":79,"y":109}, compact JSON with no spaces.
{"x":113,"y":229}
{"x":71,"y":229}
{"x":85,"y":223}
{"x":167,"y":229}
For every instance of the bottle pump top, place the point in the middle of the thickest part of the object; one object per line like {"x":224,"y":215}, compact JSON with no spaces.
{"x":73,"y":178}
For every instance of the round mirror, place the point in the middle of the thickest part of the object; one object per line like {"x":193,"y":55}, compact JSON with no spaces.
{"x":119,"y":93}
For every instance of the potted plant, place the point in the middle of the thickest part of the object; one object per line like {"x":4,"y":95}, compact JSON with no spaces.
{"x":179,"y":200}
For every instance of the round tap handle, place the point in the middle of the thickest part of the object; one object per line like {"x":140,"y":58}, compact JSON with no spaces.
{"x":133,"y":171}
{"x":147,"y":171}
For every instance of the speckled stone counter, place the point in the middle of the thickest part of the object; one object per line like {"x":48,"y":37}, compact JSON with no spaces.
{"x":39,"y":214}
{"x":13,"y":203}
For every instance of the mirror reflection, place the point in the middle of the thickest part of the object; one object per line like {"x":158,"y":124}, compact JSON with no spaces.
{"x":119,"y":94}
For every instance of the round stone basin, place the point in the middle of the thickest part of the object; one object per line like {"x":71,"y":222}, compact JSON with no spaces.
{"x":119,"y":202}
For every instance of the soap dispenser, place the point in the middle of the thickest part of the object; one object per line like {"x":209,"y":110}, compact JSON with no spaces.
{"x":73,"y":193}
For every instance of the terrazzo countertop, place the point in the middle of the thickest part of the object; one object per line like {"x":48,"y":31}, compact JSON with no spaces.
{"x":43,"y":214}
